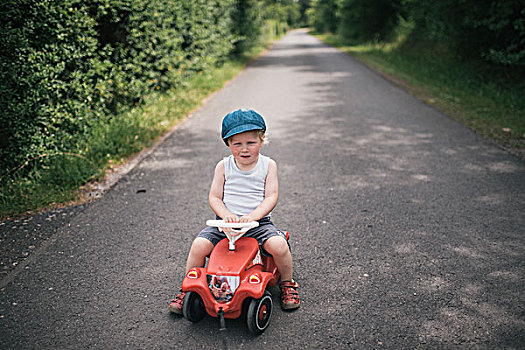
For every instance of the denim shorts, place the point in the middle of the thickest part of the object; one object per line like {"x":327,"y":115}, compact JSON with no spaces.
{"x":261,"y":233}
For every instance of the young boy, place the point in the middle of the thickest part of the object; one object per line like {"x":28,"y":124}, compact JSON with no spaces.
{"x":245,"y":188}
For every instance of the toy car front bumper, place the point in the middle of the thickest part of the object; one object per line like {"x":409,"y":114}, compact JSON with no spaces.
{"x":197,"y":282}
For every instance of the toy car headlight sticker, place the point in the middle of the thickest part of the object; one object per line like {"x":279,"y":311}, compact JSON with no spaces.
{"x":223,"y":287}
{"x":255,"y":279}
{"x":193,"y":274}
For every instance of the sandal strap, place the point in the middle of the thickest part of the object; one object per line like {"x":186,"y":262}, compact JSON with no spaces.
{"x":289,"y":290}
{"x":179,"y":298}
{"x":289,"y":284}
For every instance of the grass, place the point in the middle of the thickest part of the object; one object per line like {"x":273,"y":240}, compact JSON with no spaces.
{"x":55,"y":180}
{"x":486,"y":98}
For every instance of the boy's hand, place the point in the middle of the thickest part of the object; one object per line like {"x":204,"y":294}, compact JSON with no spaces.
{"x":246,"y":218}
{"x":230,"y":218}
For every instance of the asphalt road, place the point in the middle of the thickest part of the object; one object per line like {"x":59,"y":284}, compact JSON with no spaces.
{"x":407,"y":227}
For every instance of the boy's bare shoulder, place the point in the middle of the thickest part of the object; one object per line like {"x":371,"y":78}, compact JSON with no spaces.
{"x":220,"y":166}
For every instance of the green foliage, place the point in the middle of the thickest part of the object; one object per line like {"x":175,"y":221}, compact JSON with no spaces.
{"x":67,"y":65}
{"x":282,"y":11}
{"x":247,"y":24}
{"x":505,"y":21}
{"x":256,"y":20}
{"x":323,"y":15}
{"x":472,"y":29}
{"x":368,"y":20}
{"x":45,"y":72}
{"x":491,"y":30}
{"x":355,"y":19}
{"x":304,"y":5}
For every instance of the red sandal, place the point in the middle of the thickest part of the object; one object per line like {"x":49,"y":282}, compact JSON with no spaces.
{"x":289,"y":295}
{"x":176,"y":303}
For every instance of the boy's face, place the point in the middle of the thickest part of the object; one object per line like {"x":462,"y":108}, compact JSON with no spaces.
{"x":245,"y":149}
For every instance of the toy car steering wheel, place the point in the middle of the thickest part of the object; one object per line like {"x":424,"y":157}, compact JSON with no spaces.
{"x":239,"y":228}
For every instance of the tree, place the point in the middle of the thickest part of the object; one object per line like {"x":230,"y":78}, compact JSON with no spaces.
{"x":247,"y":24}
{"x":368,"y":19}
{"x":323,"y":15}
{"x":492,"y":30}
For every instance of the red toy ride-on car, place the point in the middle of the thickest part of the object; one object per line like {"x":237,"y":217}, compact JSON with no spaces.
{"x":236,"y":272}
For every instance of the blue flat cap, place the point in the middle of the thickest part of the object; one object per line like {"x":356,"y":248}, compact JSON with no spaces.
{"x":239,"y":121}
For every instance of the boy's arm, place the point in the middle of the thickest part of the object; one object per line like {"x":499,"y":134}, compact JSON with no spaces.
{"x":216,"y":195}
{"x":271,"y":195}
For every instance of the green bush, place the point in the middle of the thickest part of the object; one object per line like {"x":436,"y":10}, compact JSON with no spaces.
{"x":46,"y":67}
{"x":368,"y":20}
{"x":490,"y":30}
{"x":69,"y":64}
{"x":247,"y":25}
{"x":486,"y":29}
{"x":322,"y":15}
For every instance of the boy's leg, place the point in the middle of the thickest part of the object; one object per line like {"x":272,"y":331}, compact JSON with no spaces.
{"x":278,"y":248}
{"x":200,"y":249}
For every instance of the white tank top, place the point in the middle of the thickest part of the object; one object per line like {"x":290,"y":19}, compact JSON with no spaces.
{"x":244,"y":190}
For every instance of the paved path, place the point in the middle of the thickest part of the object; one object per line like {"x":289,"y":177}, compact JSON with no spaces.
{"x":407,"y":227}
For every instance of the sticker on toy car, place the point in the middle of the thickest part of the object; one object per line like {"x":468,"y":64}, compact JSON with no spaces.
{"x":223,"y":287}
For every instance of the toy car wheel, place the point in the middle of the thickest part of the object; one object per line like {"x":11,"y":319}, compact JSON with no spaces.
{"x":193,"y":307}
{"x":259,"y":313}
